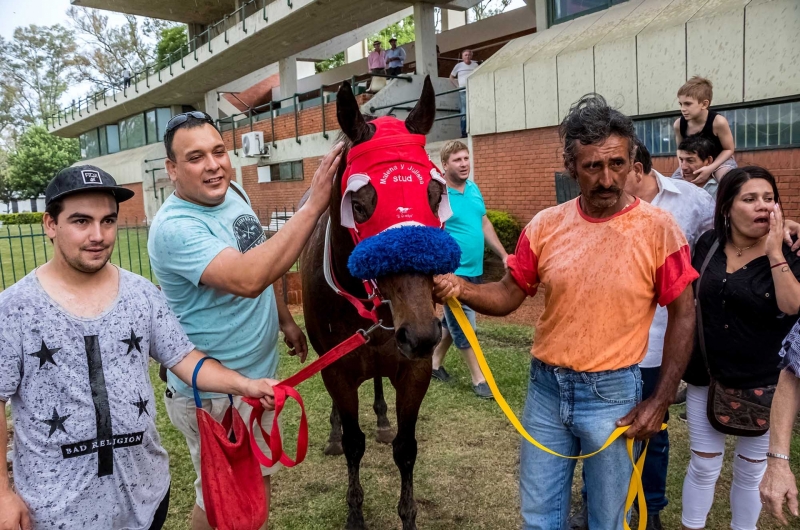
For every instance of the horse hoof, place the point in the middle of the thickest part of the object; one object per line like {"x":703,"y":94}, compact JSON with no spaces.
{"x":333,"y":449}
{"x":385,"y":436}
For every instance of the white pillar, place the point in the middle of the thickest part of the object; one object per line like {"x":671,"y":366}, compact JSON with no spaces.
{"x":211,"y":105}
{"x":354,"y":53}
{"x":539,"y":8}
{"x":453,"y":19}
{"x":287,"y":71}
{"x":425,"y":44}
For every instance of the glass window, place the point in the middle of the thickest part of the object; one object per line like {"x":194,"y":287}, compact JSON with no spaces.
{"x":561,"y":10}
{"x":162,"y":118}
{"x":123,"y":135}
{"x":150,"y":122}
{"x":136,"y":131}
{"x":112,"y":136}
{"x":103,"y":141}
{"x":287,"y":171}
{"x":91,"y":144}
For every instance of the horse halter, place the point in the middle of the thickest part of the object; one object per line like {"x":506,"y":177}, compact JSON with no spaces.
{"x":396,"y":164}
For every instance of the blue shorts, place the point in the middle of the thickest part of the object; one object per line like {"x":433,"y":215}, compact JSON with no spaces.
{"x":449,"y":320}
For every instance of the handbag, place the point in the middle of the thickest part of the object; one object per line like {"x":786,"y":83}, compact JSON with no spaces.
{"x":734,"y":411}
{"x":233,"y":489}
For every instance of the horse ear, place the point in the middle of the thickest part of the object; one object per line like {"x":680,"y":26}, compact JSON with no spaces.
{"x":349,"y":115}
{"x":420,"y":119}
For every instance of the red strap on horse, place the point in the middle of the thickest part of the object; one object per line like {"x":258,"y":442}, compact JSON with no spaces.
{"x":286,"y":389}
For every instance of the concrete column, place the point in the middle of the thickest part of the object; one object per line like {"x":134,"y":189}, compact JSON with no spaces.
{"x":425,"y":43}
{"x":539,"y":7}
{"x":453,"y":19}
{"x":354,"y":53}
{"x":288,"y":75}
{"x":211,"y":104}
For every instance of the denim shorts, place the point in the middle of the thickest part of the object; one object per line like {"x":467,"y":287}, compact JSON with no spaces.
{"x":449,"y":320}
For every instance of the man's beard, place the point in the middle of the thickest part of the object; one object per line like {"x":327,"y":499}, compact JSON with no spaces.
{"x":88,"y":267}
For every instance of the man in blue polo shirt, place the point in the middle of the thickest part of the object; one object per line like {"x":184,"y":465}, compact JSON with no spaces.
{"x":470,"y":227}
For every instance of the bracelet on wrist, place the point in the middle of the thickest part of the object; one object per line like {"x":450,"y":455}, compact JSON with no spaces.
{"x":779,"y":456}
{"x":778,"y":264}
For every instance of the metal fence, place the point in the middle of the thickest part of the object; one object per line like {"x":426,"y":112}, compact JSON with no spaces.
{"x":25,"y":247}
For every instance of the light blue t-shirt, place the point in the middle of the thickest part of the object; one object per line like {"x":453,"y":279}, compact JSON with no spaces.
{"x":466,"y":227}
{"x":242,"y":333}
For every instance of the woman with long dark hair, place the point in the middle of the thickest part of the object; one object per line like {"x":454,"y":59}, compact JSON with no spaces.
{"x":747,"y":297}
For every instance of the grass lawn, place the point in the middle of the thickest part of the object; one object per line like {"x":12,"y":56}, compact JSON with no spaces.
{"x":466,"y":471}
{"x":25,"y":247}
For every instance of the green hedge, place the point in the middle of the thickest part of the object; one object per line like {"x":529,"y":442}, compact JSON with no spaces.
{"x":28,"y":218}
{"x":507,"y":229}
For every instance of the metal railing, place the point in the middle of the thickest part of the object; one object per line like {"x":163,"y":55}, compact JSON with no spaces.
{"x":25,"y":247}
{"x":205,"y":37}
{"x":399,"y":106}
{"x":255,"y":114}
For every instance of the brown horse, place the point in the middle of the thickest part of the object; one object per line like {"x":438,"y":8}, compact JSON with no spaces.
{"x":403,"y":355}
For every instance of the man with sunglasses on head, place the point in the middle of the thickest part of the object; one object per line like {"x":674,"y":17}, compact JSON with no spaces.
{"x":216,"y":269}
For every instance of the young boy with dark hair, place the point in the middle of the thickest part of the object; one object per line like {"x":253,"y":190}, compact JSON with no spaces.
{"x":694,"y":98}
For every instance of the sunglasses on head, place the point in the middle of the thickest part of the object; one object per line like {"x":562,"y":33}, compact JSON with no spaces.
{"x":180,"y":119}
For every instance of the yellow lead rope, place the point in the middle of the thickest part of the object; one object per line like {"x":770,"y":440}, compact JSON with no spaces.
{"x":635,"y":488}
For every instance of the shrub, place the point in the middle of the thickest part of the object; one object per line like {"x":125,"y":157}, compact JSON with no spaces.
{"x":27,"y":218}
{"x":507,"y":228}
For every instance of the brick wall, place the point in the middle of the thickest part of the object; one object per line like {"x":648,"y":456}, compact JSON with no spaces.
{"x":516,"y":170}
{"x":132,"y":210}
{"x":266,"y":197}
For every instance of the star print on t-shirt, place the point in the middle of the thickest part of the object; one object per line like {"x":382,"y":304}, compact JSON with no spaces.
{"x":45,"y":355}
{"x":133,"y":342}
{"x":141,"y":405}
{"x":56,"y":422}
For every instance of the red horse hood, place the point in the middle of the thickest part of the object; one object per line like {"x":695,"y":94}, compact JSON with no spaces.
{"x":394,"y":161}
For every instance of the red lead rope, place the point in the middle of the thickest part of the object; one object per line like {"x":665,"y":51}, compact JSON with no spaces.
{"x":286,"y":389}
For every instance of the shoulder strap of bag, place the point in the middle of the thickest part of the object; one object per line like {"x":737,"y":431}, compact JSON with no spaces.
{"x":235,"y":187}
{"x":699,"y":311}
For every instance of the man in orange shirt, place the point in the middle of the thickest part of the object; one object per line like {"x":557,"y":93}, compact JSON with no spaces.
{"x":606,"y":259}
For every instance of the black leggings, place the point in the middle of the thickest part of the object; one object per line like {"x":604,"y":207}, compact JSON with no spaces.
{"x":161,"y":513}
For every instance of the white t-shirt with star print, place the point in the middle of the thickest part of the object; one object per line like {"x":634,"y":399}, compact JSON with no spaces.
{"x":86,"y":450}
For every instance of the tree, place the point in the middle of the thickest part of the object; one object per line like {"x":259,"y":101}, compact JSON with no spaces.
{"x":37,"y":158}
{"x":172,"y":40}
{"x":402,"y":30}
{"x":108,"y":50}
{"x":36,"y":66}
{"x":6,"y":193}
{"x":329,"y":64}
{"x":488,"y":8}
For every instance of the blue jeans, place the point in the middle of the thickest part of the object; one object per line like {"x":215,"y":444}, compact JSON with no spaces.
{"x":566,"y":411}
{"x":654,"y":474}
{"x":450,"y":322}
{"x":462,"y":100}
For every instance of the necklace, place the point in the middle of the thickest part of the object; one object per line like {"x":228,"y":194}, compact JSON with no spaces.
{"x":740,"y":250}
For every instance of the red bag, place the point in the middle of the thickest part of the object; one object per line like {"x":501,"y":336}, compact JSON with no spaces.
{"x":233,"y":488}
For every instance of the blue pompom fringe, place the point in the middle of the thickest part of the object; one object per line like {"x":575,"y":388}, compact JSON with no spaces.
{"x":407,"y":249}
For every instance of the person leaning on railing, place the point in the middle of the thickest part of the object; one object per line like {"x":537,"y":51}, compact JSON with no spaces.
{"x":779,"y":484}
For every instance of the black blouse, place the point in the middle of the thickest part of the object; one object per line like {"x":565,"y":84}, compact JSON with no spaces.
{"x":743,"y":326}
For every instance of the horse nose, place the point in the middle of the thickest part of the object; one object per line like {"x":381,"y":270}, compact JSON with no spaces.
{"x":419,"y":340}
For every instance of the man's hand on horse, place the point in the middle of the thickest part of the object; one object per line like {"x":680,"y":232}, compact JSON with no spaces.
{"x":446,"y":286}
{"x":321,"y":183}
{"x":261,"y":389}
{"x":295,"y":339}
{"x":645,"y":419}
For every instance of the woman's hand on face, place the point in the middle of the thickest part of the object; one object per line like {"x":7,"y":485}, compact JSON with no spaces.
{"x":773,"y":247}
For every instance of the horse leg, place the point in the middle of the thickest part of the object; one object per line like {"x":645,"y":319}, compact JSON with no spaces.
{"x":411,"y":390}
{"x":334,"y":445}
{"x":384,"y":433}
{"x":354,"y":443}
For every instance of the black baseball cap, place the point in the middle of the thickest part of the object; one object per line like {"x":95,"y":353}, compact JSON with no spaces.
{"x":84,"y":178}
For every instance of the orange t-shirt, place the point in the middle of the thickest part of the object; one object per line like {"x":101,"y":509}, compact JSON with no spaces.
{"x":603,"y":278}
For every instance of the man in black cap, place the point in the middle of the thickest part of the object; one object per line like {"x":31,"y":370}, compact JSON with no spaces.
{"x":75,"y":342}
{"x":395,"y":58}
